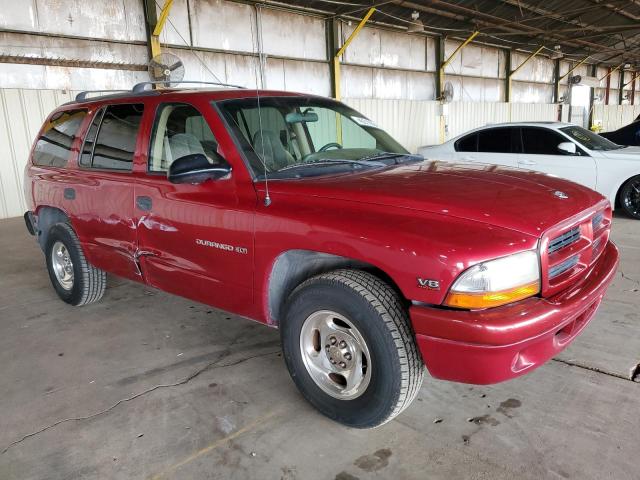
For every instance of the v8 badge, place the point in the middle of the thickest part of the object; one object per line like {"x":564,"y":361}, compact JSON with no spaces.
{"x":428,"y":284}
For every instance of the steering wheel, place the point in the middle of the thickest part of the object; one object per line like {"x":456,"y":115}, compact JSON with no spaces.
{"x":330,"y":145}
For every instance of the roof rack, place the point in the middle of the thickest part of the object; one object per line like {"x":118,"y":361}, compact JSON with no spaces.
{"x":142,"y":86}
{"x":83,"y":95}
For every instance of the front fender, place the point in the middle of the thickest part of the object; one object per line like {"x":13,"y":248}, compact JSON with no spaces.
{"x":404,"y":244}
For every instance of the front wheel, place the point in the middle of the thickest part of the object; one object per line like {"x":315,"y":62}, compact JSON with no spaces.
{"x":349,"y":348}
{"x":630,"y":197}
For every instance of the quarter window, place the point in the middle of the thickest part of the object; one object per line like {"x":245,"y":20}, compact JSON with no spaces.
{"x":90,"y":140}
{"x":117,"y":129}
{"x":180,"y":130}
{"x":468,"y":143}
{"x":541,"y":141}
{"x":54,"y":145}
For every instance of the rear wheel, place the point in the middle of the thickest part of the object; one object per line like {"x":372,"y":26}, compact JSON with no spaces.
{"x":630,"y":197}
{"x":349,"y":348}
{"x":73,"y":278}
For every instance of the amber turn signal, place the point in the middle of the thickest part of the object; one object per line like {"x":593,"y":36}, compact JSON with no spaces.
{"x":474,"y":301}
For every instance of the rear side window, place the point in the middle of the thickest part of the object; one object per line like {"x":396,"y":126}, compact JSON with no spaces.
{"x":541,"y":141}
{"x":54,"y":145}
{"x":468,"y":143}
{"x":497,"y":140}
{"x":117,"y":129}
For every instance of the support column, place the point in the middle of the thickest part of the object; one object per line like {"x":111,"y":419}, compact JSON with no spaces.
{"x":336,"y":58}
{"x":593,"y":71}
{"x":507,"y":73}
{"x":333,"y":40}
{"x":556,"y":81}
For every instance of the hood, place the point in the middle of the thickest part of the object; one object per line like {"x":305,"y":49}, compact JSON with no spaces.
{"x":626,"y":153}
{"x":505,"y":197}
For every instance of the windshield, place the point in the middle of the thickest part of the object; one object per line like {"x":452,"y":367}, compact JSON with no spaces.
{"x":302,"y":136}
{"x":590,"y":140}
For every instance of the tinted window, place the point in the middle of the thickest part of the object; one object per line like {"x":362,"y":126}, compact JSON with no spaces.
{"x":497,"y":140}
{"x":180,"y":130}
{"x":54,"y":145}
{"x":117,"y":136}
{"x":468,"y":143}
{"x":541,"y":141}
{"x":89,"y":140}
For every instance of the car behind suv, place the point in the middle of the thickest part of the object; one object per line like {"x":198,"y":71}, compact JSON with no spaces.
{"x":300,"y":213}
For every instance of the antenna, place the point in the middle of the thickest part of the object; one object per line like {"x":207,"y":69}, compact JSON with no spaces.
{"x":258,"y":43}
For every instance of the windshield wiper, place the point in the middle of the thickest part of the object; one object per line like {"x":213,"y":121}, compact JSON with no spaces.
{"x":321,"y":163}
{"x":386,"y":155}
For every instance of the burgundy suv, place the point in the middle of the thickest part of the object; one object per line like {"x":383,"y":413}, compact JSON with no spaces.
{"x":298,"y":212}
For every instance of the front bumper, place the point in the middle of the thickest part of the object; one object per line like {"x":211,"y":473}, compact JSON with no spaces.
{"x":493,"y":345}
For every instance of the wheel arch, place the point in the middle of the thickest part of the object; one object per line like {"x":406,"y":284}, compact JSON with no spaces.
{"x":48,"y":216}
{"x":293,"y":267}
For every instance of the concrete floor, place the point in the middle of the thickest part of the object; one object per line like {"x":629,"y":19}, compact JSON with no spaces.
{"x":147,"y":385}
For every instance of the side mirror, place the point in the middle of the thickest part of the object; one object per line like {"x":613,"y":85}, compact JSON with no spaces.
{"x":195,"y":168}
{"x":567,"y":148}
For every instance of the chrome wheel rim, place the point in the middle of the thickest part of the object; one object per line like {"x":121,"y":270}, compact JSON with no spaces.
{"x":335,"y":354}
{"x":62,"y":265}
{"x":632,"y":199}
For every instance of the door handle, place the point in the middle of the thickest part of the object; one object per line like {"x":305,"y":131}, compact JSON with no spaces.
{"x":528,"y":162}
{"x":144,"y":203}
{"x":469,"y":158}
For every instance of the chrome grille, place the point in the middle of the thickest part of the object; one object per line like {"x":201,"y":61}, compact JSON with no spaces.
{"x":564,"y":240}
{"x":562,"y":267}
{"x":596,"y":221}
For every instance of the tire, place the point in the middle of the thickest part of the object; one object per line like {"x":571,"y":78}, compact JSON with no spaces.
{"x":76,"y":281}
{"x":361,"y":308}
{"x":630,"y":197}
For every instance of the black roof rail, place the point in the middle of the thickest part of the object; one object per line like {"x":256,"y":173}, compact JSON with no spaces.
{"x":83,"y":95}
{"x":142,"y":86}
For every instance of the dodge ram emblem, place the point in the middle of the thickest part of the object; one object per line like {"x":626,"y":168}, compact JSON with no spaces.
{"x":560,"y":194}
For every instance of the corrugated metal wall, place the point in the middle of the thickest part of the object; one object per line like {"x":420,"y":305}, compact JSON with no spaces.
{"x":416,"y":123}
{"x":21,"y":115}
{"x":612,"y":117}
{"x":412,"y":122}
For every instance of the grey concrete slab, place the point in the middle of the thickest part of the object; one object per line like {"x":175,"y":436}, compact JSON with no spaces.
{"x":154,"y":386}
{"x":611,"y":342}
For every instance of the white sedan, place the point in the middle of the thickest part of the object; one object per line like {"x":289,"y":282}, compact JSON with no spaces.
{"x":561,"y":149}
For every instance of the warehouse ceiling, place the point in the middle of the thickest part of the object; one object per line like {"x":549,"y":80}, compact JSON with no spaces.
{"x":607,"y":30}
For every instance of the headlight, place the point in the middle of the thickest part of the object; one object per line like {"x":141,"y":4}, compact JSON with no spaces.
{"x":496,"y":282}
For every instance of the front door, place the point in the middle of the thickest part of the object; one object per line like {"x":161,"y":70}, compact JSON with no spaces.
{"x":540,"y":153}
{"x":194,"y":240}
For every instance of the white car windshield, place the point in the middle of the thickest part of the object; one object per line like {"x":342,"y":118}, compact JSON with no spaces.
{"x":590,"y":140}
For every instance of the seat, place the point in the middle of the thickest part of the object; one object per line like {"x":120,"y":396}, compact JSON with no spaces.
{"x":275,"y":155}
{"x":182,"y":144}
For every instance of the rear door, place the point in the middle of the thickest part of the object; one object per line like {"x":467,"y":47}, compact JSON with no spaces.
{"x":195,"y":240}
{"x":540,"y":153}
{"x":101,"y":197}
{"x":498,"y":146}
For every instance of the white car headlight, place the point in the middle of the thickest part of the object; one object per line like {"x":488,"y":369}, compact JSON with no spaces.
{"x":497,"y":282}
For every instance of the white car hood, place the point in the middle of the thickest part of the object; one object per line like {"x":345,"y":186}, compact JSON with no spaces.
{"x":628,"y":153}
